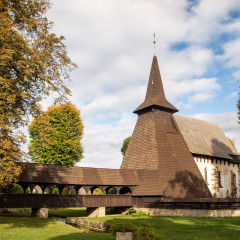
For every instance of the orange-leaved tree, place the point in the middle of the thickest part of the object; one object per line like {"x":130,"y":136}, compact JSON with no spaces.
{"x":33,"y":63}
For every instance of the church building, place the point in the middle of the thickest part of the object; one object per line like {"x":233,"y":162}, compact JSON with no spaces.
{"x":178,"y":155}
{"x":170,"y":158}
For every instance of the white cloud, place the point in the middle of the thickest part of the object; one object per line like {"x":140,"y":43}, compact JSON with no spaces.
{"x":231,"y":96}
{"x":232,"y":56}
{"x":194,"y":91}
{"x":232,"y":50}
{"x":102,"y":142}
{"x":190,"y":62}
{"x":115,"y":103}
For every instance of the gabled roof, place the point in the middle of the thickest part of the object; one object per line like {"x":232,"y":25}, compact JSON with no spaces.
{"x":42,"y":173}
{"x":205,"y":138}
{"x":155,"y":95}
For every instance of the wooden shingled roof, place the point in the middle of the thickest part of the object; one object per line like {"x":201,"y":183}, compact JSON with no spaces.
{"x":155,"y":95}
{"x":52,"y":174}
{"x":205,"y":138}
{"x":158,"y":151}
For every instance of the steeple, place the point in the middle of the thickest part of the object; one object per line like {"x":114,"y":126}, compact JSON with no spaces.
{"x":155,"y":96}
{"x":158,"y":151}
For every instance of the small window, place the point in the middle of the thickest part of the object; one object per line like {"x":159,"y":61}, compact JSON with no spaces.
{"x":234,"y":180}
{"x":220,"y":179}
{"x":205,"y":175}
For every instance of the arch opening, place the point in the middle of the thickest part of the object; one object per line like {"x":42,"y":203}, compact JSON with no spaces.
{"x":47,"y":190}
{"x":16,"y":189}
{"x":82,"y":191}
{"x":65,"y":191}
{"x":37,"y":190}
{"x":125,"y":191}
{"x":95,"y":190}
{"x":111,"y":190}
{"x":72,"y":191}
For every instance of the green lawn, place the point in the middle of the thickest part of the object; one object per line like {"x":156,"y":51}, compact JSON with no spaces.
{"x":15,"y":228}
{"x":179,"y":228}
{"x":68,"y":212}
{"x":169,"y":228}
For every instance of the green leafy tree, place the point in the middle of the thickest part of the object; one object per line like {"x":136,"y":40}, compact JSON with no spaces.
{"x":55,"y":136}
{"x":232,"y":143}
{"x":125,"y":145}
{"x":33,"y":63}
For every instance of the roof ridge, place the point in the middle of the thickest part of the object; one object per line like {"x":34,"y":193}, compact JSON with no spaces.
{"x":197,"y":119}
{"x":54,"y":165}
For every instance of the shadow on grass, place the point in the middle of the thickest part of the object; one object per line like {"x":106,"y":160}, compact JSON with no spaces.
{"x":85,"y":236}
{"x":22,"y":222}
{"x":68,"y":212}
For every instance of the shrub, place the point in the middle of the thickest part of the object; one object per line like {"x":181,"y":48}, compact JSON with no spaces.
{"x":130,"y":211}
{"x":119,"y":226}
{"x":15,"y":189}
{"x":135,"y":213}
{"x":146,"y":233}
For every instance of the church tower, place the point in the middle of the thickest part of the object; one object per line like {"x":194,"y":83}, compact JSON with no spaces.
{"x":158,"y":150}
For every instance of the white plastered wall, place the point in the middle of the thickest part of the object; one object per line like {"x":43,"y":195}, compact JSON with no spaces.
{"x":226,"y":169}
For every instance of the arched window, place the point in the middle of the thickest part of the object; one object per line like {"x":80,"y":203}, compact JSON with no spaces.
{"x":220,"y":179}
{"x":205,"y":175}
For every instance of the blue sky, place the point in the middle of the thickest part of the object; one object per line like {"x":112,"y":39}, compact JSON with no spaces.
{"x":198,"y":50}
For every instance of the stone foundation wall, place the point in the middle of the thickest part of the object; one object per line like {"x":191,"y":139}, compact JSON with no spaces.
{"x":15,"y":210}
{"x":88,"y":225}
{"x":191,"y":212}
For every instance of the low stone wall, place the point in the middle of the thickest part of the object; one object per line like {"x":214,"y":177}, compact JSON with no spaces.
{"x":88,"y":224}
{"x":191,"y":212}
{"x":15,"y":210}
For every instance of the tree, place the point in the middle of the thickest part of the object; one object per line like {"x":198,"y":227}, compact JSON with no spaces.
{"x":33,"y":63}
{"x":125,"y":145}
{"x":55,"y":136}
{"x":232,"y":143}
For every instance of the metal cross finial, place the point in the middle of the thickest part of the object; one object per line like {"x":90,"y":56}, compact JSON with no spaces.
{"x":154,"y":45}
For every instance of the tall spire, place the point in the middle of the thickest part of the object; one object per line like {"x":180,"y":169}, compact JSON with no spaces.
{"x":154,"y":42}
{"x":158,"y":151}
{"x":155,"y":96}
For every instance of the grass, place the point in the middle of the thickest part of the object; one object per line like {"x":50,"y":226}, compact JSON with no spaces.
{"x":68,"y":212}
{"x":179,"y":228}
{"x":169,"y":228}
{"x":28,"y":228}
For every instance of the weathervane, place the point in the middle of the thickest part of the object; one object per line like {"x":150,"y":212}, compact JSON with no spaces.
{"x":154,"y":45}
